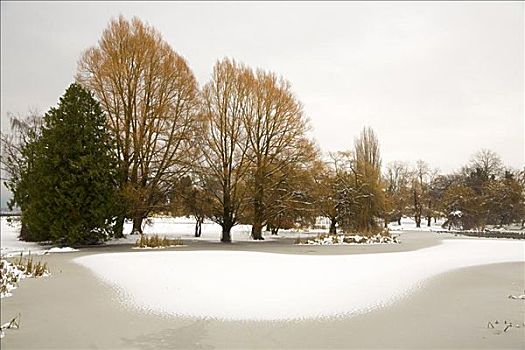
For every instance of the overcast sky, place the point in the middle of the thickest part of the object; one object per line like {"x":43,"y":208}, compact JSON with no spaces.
{"x":436,"y":81}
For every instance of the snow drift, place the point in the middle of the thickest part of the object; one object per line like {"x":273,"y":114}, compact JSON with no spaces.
{"x":238,"y":285}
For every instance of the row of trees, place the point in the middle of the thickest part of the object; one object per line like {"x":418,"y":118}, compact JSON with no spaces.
{"x":481,"y":193}
{"x":135,"y":134}
{"x":237,"y":137}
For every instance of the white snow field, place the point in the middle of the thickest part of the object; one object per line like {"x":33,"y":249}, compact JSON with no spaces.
{"x":235,"y":285}
{"x":409,"y":224}
{"x":184,"y":228}
{"x":10,"y":245}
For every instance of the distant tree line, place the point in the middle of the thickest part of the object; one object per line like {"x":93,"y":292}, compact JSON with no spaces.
{"x":135,"y":135}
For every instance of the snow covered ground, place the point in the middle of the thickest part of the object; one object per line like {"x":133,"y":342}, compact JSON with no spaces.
{"x":10,"y":245}
{"x":267,"y":286}
{"x":184,"y":228}
{"x":409,"y":224}
{"x":173,"y":228}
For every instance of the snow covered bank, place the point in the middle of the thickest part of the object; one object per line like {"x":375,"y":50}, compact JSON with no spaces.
{"x":11,"y":273}
{"x":266,"y":286}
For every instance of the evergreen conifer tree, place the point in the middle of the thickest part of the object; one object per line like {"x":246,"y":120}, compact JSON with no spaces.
{"x":68,"y":189}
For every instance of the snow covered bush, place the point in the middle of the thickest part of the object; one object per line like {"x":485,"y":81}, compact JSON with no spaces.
{"x":331,"y":239}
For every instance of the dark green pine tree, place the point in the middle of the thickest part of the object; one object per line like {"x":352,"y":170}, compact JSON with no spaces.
{"x":69,"y":191}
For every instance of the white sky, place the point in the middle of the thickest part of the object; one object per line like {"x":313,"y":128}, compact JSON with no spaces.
{"x":437,"y":81}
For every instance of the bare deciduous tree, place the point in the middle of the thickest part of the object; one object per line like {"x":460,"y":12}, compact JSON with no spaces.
{"x":291,"y":191}
{"x":223,"y":142}
{"x":397,"y":179}
{"x":275,"y":128}
{"x":150,"y":97}
{"x":24,"y":129}
{"x":488,"y":162}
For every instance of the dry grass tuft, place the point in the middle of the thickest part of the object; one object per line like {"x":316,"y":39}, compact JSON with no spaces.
{"x":156,"y":241}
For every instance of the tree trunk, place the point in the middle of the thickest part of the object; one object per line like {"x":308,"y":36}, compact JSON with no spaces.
{"x":257,"y":231}
{"x":429,"y":221}
{"x":226,"y":234}
{"x":399,"y":221}
{"x":24,"y":232}
{"x":118,"y":229}
{"x":258,"y":210}
{"x":333,"y":227}
{"x":417,"y":209}
{"x":137,"y":224}
{"x":275,"y":230}
{"x":198,"y":227}
{"x":227,"y":217}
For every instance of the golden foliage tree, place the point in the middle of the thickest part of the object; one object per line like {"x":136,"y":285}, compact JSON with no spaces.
{"x":150,"y":96}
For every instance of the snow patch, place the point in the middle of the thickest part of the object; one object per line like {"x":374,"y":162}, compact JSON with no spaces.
{"x":9,"y":242}
{"x":409,"y":224}
{"x":236,"y":285}
{"x":62,"y":250}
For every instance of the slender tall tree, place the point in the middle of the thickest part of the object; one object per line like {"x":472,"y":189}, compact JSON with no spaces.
{"x":368,"y":179}
{"x":223,"y":142}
